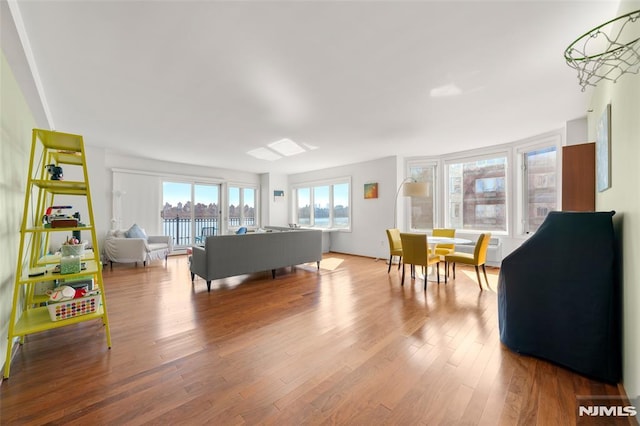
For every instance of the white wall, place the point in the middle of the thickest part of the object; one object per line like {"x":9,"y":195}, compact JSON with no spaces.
{"x":370,"y":218}
{"x":137,"y":200}
{"x":624,"y":198}
{"x":15,"y":143}
{"x":274,"y":212}
{"x":577,"y":131}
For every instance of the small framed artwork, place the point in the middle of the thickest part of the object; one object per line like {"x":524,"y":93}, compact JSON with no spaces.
{"x":278,"y":195}
{"x":603,"y":151}
{"x":370,"y":190}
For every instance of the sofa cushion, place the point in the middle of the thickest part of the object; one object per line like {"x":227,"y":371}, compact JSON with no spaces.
{"x":135,"y":232}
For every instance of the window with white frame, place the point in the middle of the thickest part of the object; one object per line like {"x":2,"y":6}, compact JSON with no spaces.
{"x":341,"y":214}
{"x":188,"y":208}
{"x":423,"y":208}
{"x":323,"y":204}
{"x":476,"y":198}
{"x":242,"y":206}
{"x":539,"y":190}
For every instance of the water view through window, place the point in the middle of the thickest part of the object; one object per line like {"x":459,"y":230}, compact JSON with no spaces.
{"x":190,"y":211}
{"x":330,"y":206}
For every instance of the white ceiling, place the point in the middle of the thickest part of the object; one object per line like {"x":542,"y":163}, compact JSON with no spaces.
{"x":203,"y":82}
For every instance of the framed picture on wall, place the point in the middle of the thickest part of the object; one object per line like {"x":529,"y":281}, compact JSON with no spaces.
{"x":603,"y":151}
{"x":370,"y":190}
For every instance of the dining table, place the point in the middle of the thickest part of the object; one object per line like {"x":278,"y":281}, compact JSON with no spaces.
{"x":432,"y":242}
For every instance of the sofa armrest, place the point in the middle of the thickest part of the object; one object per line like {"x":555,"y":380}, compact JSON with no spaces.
{"x":199,"y":262}
{"x":161,"y":239}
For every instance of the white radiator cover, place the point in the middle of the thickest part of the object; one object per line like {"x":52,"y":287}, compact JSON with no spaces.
{"x":494,"y":251}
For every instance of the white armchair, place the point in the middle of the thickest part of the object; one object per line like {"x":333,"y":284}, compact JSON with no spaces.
{"x":120,"y":249}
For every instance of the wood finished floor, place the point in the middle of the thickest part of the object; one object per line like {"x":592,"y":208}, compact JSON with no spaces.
{"x":346,"y":345}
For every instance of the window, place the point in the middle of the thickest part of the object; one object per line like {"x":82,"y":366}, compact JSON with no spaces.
{"x":540,"y":193}
{"x":323,"y":205}
{"x":304,"y":206}
{"x":242,"y":207}
{"x":476,"y":196}
{"x":341,"y":205}
{"x":493,"y":185}
{"x":187,"y":208}
{"x":423,"y":208}
{"x":248,"y":216}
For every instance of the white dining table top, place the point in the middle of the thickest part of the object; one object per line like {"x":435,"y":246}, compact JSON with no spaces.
{"x":447,"y":240}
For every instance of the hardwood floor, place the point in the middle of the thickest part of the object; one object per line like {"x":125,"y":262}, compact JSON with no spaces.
{"x":345,"y":345}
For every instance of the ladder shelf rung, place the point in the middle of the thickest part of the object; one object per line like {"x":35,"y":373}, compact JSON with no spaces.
{"x":60,"y":141}
{"x":37,"y":319}
{"x":66,"y":157}
{"x":50,"y":229}
{"x":65,"y":187}
{"x":47,"y":273}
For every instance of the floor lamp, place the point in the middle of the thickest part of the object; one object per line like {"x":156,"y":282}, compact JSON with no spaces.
{"x":411,"y":188}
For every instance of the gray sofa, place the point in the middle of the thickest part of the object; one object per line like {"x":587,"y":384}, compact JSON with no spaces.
{"x":229,"y":255}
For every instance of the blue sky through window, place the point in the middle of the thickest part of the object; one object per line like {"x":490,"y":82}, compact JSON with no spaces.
{"x":179,"y":192}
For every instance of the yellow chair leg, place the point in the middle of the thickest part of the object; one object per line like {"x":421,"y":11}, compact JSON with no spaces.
{"x":478,"y":274}
{"x":485,"y":276}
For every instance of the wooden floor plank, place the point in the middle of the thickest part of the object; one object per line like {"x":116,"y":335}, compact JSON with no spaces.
{"x":346,"y":345}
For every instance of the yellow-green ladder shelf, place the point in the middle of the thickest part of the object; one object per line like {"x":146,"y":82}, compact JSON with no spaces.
{"x":28,"y":316}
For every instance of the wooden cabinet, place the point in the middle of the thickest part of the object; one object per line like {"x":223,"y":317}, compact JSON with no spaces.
{"x":579,"y":177}
{"x":53,"y":151}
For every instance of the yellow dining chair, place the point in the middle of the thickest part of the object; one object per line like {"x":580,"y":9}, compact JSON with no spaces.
{"x":395,"y":246}
{"x":415,"y":251}
{"x":444,"y":249}
{"x":477,"y":259}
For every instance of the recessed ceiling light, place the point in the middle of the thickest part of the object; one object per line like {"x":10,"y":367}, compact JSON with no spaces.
{"x":264,"y":154}
{"x":286,"y":147}
{"x":310,"y":147}
{"x":445,"y":91}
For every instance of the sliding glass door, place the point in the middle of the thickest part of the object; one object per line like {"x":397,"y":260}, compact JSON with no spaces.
{"x":206,"y":212}
{"x":191,"y":211}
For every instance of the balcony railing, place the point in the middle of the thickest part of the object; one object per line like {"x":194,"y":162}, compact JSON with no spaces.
{"x":179,"y":228}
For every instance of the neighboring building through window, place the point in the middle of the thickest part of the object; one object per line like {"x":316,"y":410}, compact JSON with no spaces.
{"x":481,"y":195}
{"x":477,"y":197}
{"x":539,"y":186}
